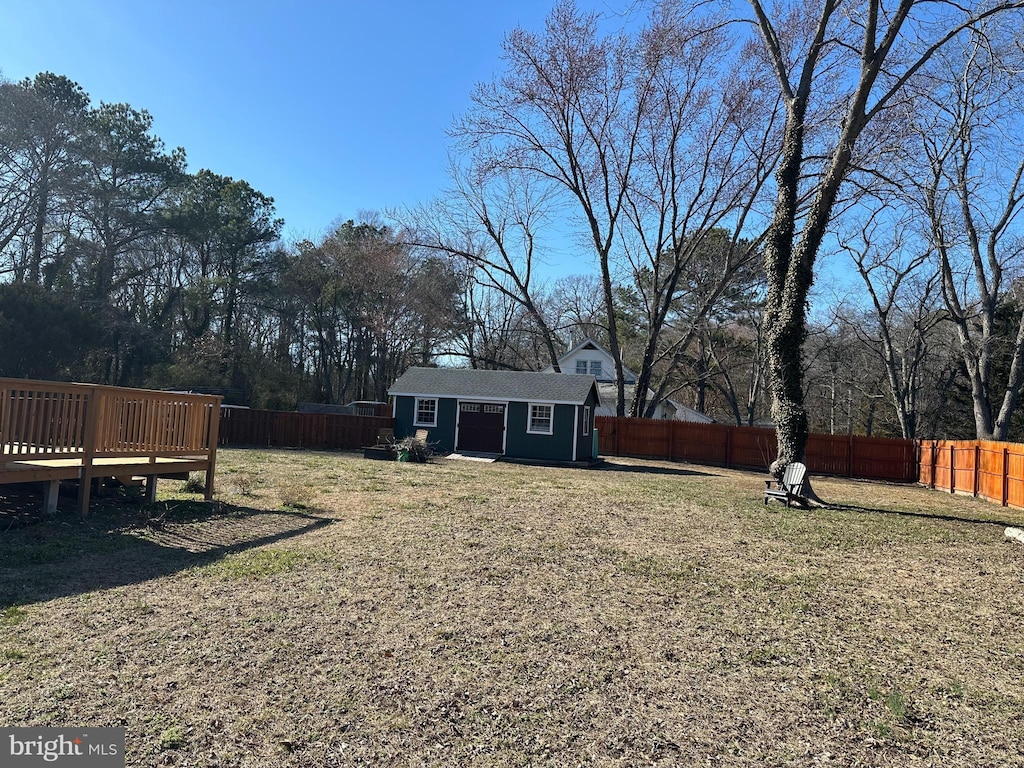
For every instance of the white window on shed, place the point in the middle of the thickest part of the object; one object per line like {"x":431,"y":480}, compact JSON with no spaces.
{"x":541,"y":419}
{"x":426,"y":412}
{"x":581,"y":366}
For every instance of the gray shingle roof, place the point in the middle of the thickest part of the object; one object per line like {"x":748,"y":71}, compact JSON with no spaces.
{"x":522,"y":386}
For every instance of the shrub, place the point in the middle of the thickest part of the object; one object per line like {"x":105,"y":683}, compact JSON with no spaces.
{"x":194,"y":484}
{"x":411,"y":449}
{"x":296,"y":495}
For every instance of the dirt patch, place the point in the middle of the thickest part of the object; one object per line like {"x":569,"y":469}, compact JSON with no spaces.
{"x":332,"y":611}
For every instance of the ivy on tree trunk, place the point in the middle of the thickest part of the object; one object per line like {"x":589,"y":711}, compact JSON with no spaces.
{"x":788,"y":285}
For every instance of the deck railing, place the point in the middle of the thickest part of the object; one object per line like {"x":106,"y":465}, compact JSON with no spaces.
{"x":42,"y":421}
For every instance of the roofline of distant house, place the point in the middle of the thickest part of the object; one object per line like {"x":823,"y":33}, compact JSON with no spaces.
{"x":625,"y":370}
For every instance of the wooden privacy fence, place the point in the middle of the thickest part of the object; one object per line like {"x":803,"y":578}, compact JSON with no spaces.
{"x":721,"y":445}
{"x":242,"y":426}
{"x":990,"y":470}
{"x":52,"y":431}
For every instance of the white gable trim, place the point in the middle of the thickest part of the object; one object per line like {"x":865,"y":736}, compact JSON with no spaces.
{"x":586,"y":345}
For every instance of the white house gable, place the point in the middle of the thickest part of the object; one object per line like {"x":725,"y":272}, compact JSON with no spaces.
{"x":591,"y":358}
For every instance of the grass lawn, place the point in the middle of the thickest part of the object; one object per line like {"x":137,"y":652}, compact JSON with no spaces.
{"x":332,"y":611}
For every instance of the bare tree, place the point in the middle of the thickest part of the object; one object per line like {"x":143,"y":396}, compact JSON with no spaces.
{"x":898,"y":273}
{"x":562,"y":113}
{"x":707,"y":149}
{"x":656,"y":138}
{"x":491,"y":221}
{"x":498,"y":333}
{"x":576,"y":303}
{"x":971,"y":189}
{"x":851,"y":60}
{"x":729,"y":366}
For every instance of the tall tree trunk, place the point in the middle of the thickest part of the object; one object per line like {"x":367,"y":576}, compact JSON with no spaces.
{"x":39,"y":226}
{"x":613,"y":330}
{"x":788,"y":285}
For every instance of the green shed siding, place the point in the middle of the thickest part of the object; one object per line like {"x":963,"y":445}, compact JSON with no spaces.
{"x":568,"y":396}
{"x":586,"y":446}
{"x":520,"y":444}
{"x":557,"y":446}
{"x":442,"y":436}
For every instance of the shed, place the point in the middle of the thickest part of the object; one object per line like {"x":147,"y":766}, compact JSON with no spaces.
{"x":518,"y":414}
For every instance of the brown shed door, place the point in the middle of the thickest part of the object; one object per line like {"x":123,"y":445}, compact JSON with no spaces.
{"x":481,"y":427}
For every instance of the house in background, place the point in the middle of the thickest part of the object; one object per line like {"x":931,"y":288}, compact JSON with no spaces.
{"x":518,"y":414}
{"x":589,"y":357}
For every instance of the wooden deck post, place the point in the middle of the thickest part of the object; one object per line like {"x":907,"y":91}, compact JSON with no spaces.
{"x":89,"y":445}
{"x":51,"y":489}
{"x":151,"y":489}
{"x":211,"y":449}
{"x":5,"y":416}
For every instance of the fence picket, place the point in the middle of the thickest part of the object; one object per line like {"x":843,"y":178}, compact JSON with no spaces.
{"x":997,"y":472}
{"x":317,"y":431}
{"x":755,"y":448}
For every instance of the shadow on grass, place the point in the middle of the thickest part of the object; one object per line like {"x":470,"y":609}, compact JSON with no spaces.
{"x":119,"y":544}
{"x":647,"y":469}
{"x":952,"y":517}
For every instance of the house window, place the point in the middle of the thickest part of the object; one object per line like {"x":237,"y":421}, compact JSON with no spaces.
{"x":581,"y":366}
{"x":586,"y":420}
{"x":541,"y":419}
{"x":426,"y":412}
{"x":595,"y":368}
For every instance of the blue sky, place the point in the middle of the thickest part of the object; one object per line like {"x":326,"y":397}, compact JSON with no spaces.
{"x":334,"y":109}
{"x":331,"y":108}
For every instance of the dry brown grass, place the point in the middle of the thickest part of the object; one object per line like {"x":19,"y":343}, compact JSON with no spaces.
{"x":329,"y":610}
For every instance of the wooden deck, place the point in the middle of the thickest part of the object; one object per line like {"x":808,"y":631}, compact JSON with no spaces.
{"x":51,"y":432}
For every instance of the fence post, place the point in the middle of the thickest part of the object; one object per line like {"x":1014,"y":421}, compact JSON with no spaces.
{"x":728,"y":447}
{"x":671,"y":438}
{"x":952,"y":469}
{"x":849,"y":458}
{"x":977,"y":467}
{"x":1006,"y":477}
